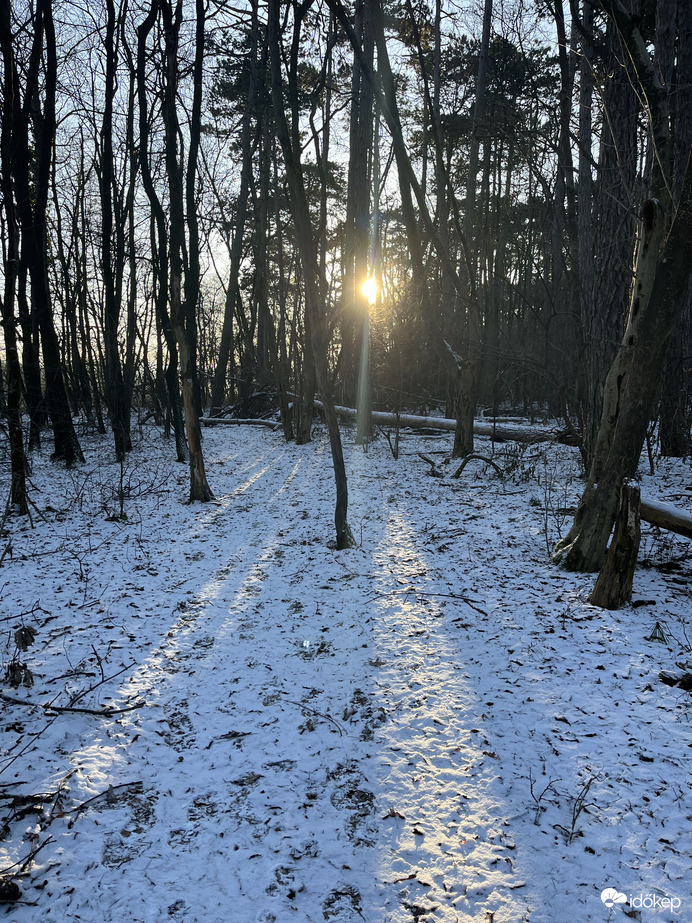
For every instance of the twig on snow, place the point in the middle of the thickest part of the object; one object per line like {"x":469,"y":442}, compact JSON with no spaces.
{"x":110,"y":795}
{"x":469,"y":602}
{"x":23,"y":863}
{"x":483,"y":458}
{"x":319,"y":714}
{"x":61,"y":709}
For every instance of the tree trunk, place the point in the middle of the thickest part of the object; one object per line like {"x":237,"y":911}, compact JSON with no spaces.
{"x":658,"y":298}
{"x":632,"y":384}
{"x":676,"y":400}
{"x":32,"y":211}
{"x":466,"y":385}
{"x":675,"y":420}
{"x":199,"y":488}
{"x":159,"y":240}
{"x":355,"y":252}
{"x":314,"y":307}
{"x":18,"y":495}
{"x":613,"y":248}
{"x":218,"y":393}
{"x":115,"y":385}
{"x":614,"y":584}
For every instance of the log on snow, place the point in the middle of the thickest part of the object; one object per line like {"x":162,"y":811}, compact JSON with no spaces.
{"x":666,"y":516}
{"x":228,"y":421}
{"x":498,"y":430}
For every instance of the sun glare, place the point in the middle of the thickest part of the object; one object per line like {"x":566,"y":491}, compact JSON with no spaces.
{"x":369,"y":289}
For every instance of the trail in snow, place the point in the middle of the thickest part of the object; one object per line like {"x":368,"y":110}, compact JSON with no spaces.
{"x":401,"y":732}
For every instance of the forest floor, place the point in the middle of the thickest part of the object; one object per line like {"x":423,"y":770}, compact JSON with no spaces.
{"x":433,"y":726}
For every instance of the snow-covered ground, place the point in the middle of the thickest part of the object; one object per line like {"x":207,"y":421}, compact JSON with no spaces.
{"x":433,"y":726}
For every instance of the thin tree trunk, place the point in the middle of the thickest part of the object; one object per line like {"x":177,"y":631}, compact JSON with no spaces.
{"x":218,"y":392}
{"x":18,"y":494}
{"x":115,"y":385}
{"x":32,"y":210}
{"x":466,"y":390}
{"x":199,"y":488}
{"x":314,"y":307}
{"x":159,"y":240}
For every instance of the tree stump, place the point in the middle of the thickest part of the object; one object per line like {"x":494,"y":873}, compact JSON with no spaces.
{"x":614,"y":583}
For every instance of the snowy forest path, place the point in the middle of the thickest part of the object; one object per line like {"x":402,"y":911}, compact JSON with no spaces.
{"x":325,"y":687}
{"x":397,"y":733}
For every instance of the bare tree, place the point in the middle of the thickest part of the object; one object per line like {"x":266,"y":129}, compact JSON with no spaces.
{"x":664,"y":269}
{"x":314,"y":283}
{"x":33,"y":124}
{"x":18,"y":496}
{"x":182,"y":314}
{"x":118,"y":404}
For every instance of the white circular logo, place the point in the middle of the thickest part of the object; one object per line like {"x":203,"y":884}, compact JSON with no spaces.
{"x":611,"y":896}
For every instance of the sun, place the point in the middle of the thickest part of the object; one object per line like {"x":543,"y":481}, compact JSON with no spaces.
{"x":369,"y":289}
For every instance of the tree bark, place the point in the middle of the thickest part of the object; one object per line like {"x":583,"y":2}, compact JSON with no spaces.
{"x":632,"y":384}
{"x":614,"y":584}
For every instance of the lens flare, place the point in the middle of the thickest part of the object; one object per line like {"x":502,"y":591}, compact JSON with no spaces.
{"x":369,"y":289}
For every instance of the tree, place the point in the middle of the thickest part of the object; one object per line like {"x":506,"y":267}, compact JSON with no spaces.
{"x":18,"y":496}
{"x":158,"y":240}
{"x":118,"y":404}
{"x":171,"y":239}
{"x":183,"y":314}
{"x":354,"y":307}
{"x":313,"y":282}
{"x":236,"y":251}
{"x":614,"y":223}
{"x":664,"y":269}
{"x":33,"y":132}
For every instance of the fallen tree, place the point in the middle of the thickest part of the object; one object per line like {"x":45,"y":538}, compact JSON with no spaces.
{"x":666,"y":516}
{"x":499,"y":431}
{"x":224,"y":421}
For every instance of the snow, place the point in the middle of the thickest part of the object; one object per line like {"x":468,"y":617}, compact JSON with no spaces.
{"x":433,"y":726}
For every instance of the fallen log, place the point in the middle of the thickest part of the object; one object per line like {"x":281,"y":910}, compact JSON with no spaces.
{"x":231,"y":421}
{"x":500,"y":431}
{"x":666,"y":516}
